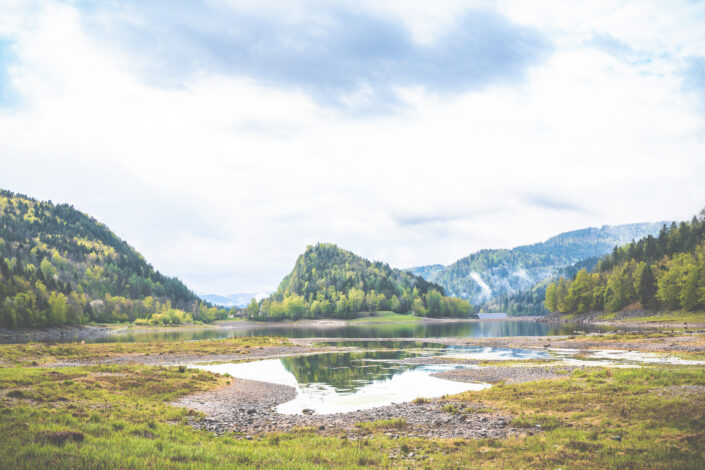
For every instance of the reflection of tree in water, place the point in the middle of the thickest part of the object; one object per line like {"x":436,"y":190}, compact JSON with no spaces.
{"x":346,"y":370}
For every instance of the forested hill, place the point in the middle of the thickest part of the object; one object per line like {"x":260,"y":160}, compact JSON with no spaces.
{"x":60,"y":266}
{"x":666,"y":272}
{"x":490,"y":274}
{"x":328,"y":281}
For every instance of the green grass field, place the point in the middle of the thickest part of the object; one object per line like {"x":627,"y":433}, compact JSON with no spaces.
{"x":387,"y":317}
{"x":120,"y":417}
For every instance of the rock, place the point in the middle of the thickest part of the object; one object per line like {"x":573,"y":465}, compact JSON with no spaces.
{"x":307,"y":411}
{"x":616,"y":438}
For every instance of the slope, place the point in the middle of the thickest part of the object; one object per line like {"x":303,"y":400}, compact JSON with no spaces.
{"x":60,"y":266}
{"x":328,"y":281}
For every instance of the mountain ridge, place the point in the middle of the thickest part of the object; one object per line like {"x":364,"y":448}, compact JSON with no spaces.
{"x":489,"y":273}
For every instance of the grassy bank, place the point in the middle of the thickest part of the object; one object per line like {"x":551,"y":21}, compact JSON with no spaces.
{"x":119,"y":416}
{"x":45,"y":353}
{"x":387,"y":317}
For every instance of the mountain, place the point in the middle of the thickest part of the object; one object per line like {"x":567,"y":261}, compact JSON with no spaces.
{"x":666,"y":272}
{"x":488,"y":274}
{"x":328,"y":281}
{"x":234,"y":300}
{"x":60,"y":266}
{"x":531,"y":301}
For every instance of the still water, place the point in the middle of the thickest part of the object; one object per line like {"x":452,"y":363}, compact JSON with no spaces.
{"x":477,"y":329}
{"x":343,"y":382}
{"x":348,"y":381}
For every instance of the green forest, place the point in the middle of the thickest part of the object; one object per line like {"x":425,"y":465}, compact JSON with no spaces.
{"x":331,"y":282}
{"x":58,"y":266}
{"x":666,"y":272}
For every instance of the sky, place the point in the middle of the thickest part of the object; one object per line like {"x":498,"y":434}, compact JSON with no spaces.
{"x":220,"y":137}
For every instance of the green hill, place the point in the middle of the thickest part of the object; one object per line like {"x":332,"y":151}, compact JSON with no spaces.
{"x":60,"y":266}
{"x":666,"y":272}
{"x":328,"y":281}
{"x":488,"y":275}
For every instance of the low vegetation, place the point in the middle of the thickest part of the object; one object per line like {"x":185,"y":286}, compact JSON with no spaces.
{"x":120,"y":417}
{"x":43,"y":353}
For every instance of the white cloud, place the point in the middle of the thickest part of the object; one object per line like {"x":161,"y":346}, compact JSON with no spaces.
{"x":224,"y":180}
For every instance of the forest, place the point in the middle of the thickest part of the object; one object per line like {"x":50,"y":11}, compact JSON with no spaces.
{"x":331,"y":282}
{"x":58,"y":266}
{"x":666,"y":273}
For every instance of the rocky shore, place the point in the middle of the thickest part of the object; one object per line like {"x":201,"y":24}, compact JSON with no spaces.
{"x":54,"y":334}
{"x":174,"y":359}
{"x":247,"y":408}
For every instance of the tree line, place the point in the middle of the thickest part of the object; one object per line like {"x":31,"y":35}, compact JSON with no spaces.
{"x":666,"y":272}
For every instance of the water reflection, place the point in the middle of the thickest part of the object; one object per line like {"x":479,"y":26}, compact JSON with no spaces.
{"x":480,"y":329}
{"x":341,"y":382}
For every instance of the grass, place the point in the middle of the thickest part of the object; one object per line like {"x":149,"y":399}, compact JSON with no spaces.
{"x":119,"y":416}
{"x":382,"y":425}
{"x":604,"y":418}
{"x":671,"y":317}
{"x":45,"y":353}
{"x":387,"y":317}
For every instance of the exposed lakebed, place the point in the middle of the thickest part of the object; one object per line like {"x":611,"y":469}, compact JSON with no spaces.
{"x":344,"y":382}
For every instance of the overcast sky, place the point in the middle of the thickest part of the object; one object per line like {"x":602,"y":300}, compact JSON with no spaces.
{"x":219,"y":138}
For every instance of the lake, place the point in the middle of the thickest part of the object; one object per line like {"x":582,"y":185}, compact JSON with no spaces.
{"x":463,"y":329}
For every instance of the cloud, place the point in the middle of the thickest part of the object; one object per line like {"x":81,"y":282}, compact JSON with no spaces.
{"x":349,"y":58}
{"x":224,"y":174}
{"x":694,"y":76}
{"x":7,"y":95}
{"x":554,"y":202}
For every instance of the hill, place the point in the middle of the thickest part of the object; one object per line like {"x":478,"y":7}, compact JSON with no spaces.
{"x":666,"y":272}
{"x":328,"y":281}
{"x":60,"y":266}
{"x":491,"y":274}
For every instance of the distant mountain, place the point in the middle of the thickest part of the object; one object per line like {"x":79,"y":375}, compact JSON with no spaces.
{"x":60,"y":266}
{"x":328,"y":281}
{"x":491,"y":274}
{"x":234,"y":300}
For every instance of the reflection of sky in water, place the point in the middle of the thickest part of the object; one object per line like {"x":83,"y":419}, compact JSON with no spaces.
{"x":342,"y":382}
{"x":493,"y":354}
{"x":399,"y":384}
{"x":478,"y":329}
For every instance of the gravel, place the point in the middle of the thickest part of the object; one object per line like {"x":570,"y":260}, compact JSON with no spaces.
{"x":246,"y":407}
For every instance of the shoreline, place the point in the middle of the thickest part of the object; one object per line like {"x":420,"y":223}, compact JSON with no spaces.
{"x":627,"y":319}
{"x":89,"y":332}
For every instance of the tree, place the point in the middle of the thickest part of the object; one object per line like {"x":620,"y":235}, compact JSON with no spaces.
{"x":689,"y":295}
{"x":550,"y":301}
{"x":646,"y":286}
{"x":253,"y":308}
